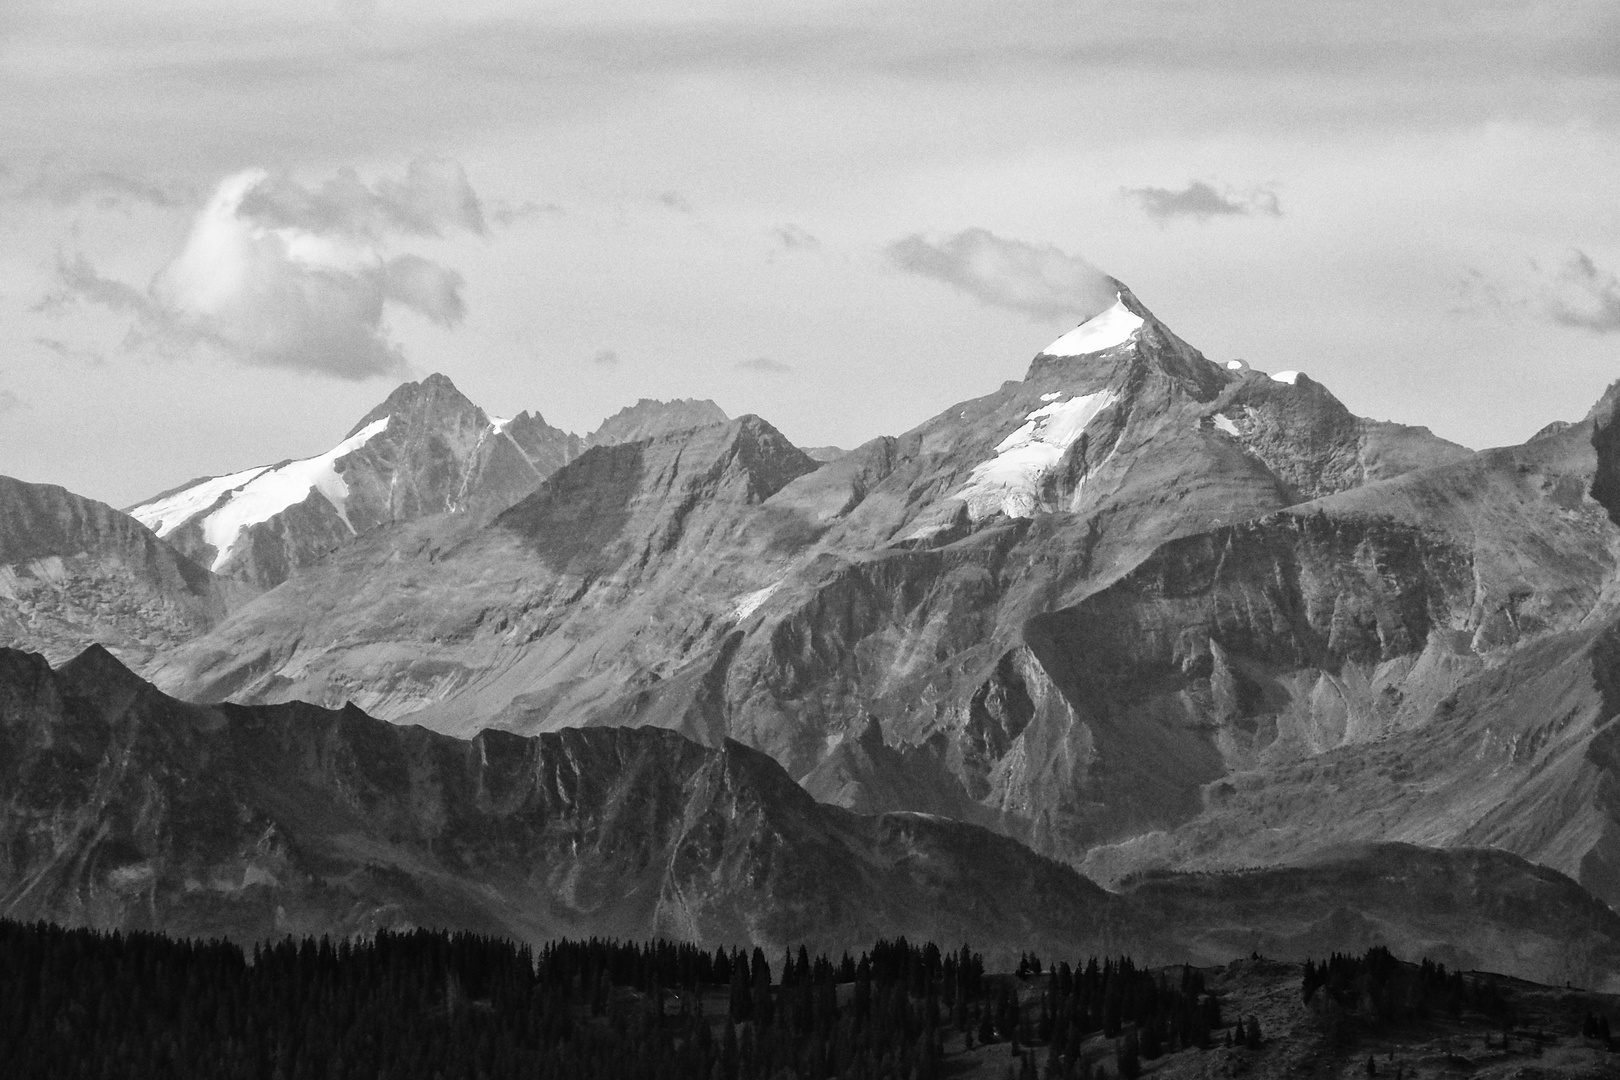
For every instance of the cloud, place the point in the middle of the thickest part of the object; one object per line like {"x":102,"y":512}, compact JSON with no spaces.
{"x":1201,"y":201}
{"x":274,"y":274}
{"x":425,"y":286}
{"x":87,"y":357}
{"x":432,"y":194}
{"x":107,"y":189}
{"x":77,"y":280}
{"x":1582,"y":294}
{"x":675,"y":201}
{"x":764,"y":365}
{"x":10,"y":402}
{"x":605,"y":358}
{"x":505,"y":214}
{"x":1039,"y":280}
{"x":793,"y":238}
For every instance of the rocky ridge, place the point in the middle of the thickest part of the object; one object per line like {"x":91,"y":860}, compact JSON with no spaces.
{"x":126,"y":808}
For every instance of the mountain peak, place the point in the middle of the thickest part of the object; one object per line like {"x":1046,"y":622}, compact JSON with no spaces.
{"x":1109,"y":328}
{"x":435,"y":394}
{"x":648,"y":418}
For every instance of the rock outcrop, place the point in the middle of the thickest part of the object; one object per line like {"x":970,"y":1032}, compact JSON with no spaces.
{"x":75,"y":571}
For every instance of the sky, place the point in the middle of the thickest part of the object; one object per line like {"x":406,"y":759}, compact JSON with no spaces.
{"x":228,"y":229}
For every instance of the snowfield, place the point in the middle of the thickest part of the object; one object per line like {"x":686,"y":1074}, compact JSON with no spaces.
{"x":1011,"y":482}
{"x":255,"y":496}
{"x":167,"y":514}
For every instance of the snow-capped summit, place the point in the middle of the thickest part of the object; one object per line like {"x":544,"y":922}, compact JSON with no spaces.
{"x":1111,"y":327}
{"x":426,"y":449}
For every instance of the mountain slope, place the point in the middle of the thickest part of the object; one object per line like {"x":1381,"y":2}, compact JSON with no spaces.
{"x":73,"y":571}
{"x":555,"y":607}
{"x":126,"y":808}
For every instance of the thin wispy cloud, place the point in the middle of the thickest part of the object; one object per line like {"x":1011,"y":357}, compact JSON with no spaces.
{"x":1201,"y":202}
{"x":1584,"y":295}
{"x":507,"y":214}
{"x":1039,"y":280}
{"x":104,"y":188}
{"x":793,"y":238}
{"x":87,"y":357}
{"x":764,"y":365}
{"x":605,"y":358}
{"x":10,"y":402}
{"x":276,"y":274}
{"x":675,"y":201}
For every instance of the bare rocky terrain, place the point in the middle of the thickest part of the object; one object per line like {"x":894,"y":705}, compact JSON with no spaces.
{"x":73,"y":571}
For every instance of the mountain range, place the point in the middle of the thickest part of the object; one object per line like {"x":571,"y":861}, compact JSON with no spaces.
{"x":1141,"y":633}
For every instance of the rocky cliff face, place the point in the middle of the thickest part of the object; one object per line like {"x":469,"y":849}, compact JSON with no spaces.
{"x":73,"y":571}
{"x":129,"y":809}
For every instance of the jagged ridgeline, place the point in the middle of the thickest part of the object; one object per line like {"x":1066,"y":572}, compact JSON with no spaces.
{"x":79,"y":1002}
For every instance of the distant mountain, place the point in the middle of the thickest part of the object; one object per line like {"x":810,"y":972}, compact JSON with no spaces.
{"x":647,"y":419}
{"x":619,"y":542}
{"x":126,"y":808}
{"x":74,"y":571}
{"x":425,"y":450}
{"x":1142,"y":611}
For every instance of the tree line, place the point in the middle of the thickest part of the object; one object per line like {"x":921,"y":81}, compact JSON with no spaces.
{"x":438,"y":1005}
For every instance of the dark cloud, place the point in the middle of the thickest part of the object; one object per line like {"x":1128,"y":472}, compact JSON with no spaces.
{"x":1584,"y":295}
{"x":793,"y":238}
{"x":433,"y":194}
{"x":1201,"y":201}
{"x":764,"y":365}
{"x":1039,"y":280}
{"x":605,"y":358}
{"x":675,"y":201}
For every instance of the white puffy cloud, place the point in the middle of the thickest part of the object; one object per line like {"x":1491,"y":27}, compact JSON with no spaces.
{"x":1039,"y":280}
{"x":274,"y":274}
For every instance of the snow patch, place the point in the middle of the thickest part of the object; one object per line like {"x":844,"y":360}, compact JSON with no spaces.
{"x":1011,"y":482}
{"x":273,"y":490}
{"x":1285,"y":377}
{"x":1053,"y":396}
{"x":749,"y":603}
{"x":167,"y":514}
{"x":1235,"y":365}
{"x":1114,"y":326}
{"x":1225,"y":423}
{"x":499,"y":422}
